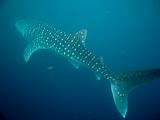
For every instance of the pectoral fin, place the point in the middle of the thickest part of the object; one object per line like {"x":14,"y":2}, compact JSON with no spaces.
{"x":30,"y":49}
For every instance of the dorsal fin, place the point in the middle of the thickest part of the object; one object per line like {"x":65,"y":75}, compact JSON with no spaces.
{"x":81,"y":36}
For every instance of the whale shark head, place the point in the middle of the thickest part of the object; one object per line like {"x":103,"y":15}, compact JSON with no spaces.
{"x":22,"y":26}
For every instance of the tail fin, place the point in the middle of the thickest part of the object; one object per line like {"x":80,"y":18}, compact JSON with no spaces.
{"x":125,"y":82}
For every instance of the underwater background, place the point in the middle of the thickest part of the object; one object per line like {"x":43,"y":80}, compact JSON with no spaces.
{"x":125,"y":32}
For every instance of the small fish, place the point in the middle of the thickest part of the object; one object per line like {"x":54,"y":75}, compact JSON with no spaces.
{"x":50,"y":67}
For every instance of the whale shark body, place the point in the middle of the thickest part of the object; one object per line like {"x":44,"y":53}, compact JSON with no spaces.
{"x":41,"y":35}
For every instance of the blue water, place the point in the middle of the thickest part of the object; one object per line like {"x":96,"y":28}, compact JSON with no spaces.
{"x":125,"y":32}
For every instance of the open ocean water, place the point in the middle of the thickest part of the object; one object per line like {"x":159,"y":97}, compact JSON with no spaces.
{"x":125,"y":32}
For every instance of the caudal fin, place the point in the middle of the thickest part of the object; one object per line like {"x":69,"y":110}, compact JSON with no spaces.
{"x":125,"y":82}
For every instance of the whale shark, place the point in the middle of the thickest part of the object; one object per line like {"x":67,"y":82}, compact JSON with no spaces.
{"x":72,"y":47}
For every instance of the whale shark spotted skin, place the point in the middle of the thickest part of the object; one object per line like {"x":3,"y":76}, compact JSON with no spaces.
{"x":41,"y":35}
